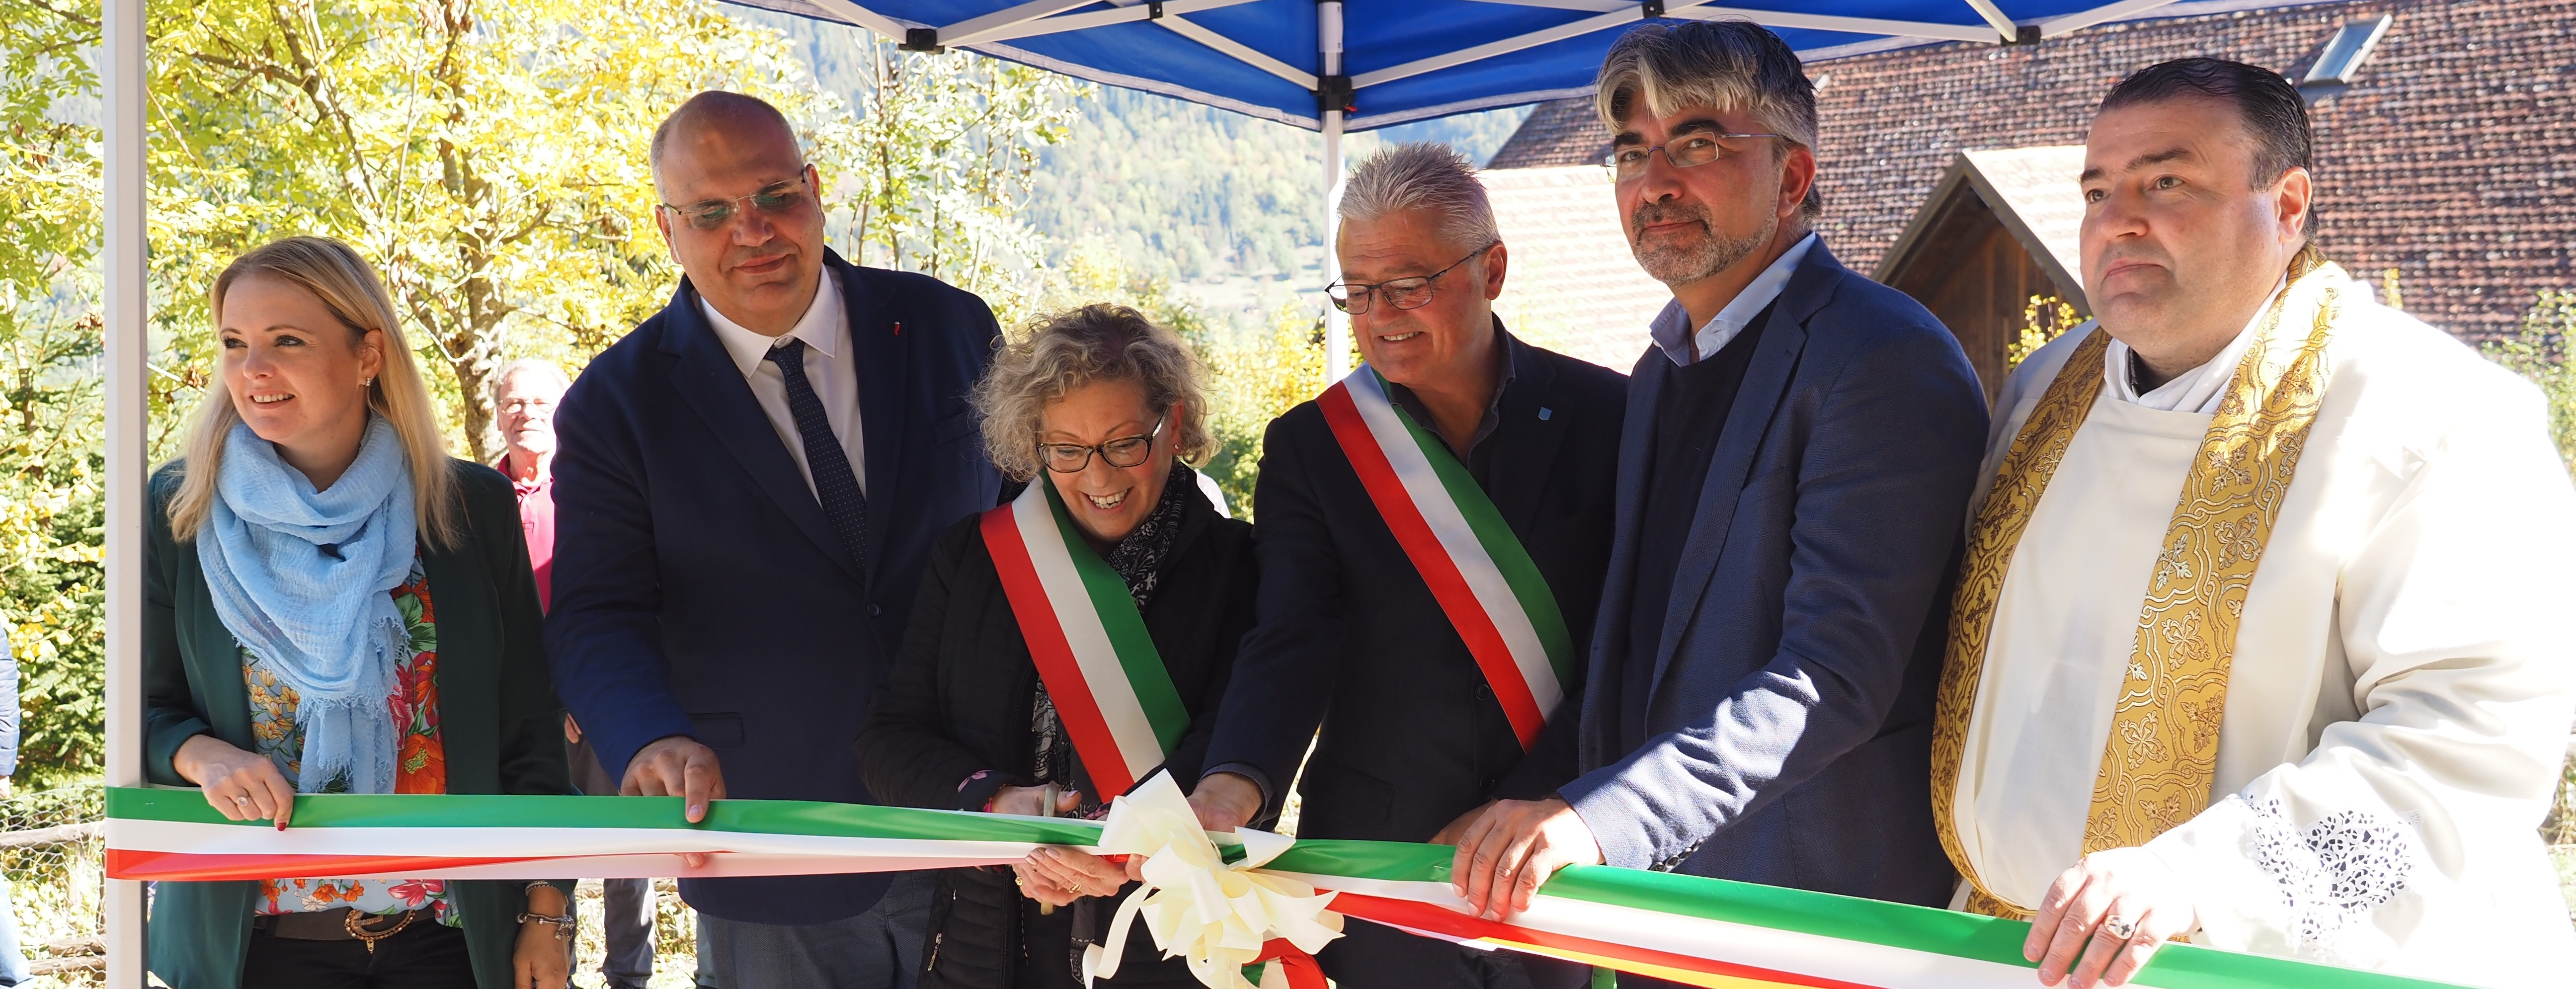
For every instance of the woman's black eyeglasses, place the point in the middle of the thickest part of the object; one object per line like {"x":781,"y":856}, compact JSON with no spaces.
{"x":1125,"y":451}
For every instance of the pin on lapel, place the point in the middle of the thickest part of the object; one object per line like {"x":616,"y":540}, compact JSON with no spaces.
{"x":1544,"y":412}
{"x":898,"y":329}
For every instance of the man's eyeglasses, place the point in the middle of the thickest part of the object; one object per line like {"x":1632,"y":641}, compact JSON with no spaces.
{"x":1125,"y":451}
{"x":1690,"y":150}
{"x":1402,"y":293}
{"x":778,"y":199}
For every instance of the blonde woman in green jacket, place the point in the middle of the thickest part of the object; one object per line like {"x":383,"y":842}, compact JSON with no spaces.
{"x":332,"y":605}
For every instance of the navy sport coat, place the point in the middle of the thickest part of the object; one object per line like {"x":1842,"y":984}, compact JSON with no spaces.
{"x":1788,"y":720}
{"x":699,"y":589}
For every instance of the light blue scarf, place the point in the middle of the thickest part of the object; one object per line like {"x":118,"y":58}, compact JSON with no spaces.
{"x":304,"y":579}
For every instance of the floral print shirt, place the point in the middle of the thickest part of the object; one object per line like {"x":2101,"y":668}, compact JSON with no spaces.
{"x":420,"y":763}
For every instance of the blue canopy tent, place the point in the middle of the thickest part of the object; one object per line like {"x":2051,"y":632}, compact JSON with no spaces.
{"x":1329,"y":65}
{"x":1337,"y":66}
{"x":1364,"y":64}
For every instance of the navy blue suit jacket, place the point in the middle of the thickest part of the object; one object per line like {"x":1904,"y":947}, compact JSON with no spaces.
{"x":1351,"y":639}
{"x":1788,"y":720}
{"x":699,"y":589}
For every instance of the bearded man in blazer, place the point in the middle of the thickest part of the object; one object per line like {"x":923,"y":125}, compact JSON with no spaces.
{"x":746,"y":493}
{"x":1799,"y":449}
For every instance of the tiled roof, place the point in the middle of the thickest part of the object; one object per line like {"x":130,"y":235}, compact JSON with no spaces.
{"x":1557,"y":132}
{"x":2451,"y":157}
{"x":1572,"y":286}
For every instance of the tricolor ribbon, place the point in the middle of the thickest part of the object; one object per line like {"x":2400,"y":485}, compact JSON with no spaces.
{"x":1282,"y":963}
{"x":1484,"y":579}
{"x":1692,"y":930}
{"x":1214,"y":910}
{"x":1087,"y":640}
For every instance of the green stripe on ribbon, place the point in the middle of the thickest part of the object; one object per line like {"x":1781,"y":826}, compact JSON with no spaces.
{"x":1925,"y":929}
{"x":1147,"y":677}
{"x":1892,"y":925}
{"x":781,"y":817}
{"x":1519,"y":571}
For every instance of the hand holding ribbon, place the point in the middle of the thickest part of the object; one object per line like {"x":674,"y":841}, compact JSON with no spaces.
{"x":1218,"y":915}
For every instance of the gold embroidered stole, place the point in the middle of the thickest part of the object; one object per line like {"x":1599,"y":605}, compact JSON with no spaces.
{"x":2162,"y":749}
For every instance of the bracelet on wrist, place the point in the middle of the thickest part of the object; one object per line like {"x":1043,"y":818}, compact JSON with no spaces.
{"x":563,"y":925}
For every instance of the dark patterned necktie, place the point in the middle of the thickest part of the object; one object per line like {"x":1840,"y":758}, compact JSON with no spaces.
{"x":834,"y":484}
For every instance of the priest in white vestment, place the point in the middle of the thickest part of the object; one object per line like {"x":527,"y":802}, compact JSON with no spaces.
{"x":2263,"y":634}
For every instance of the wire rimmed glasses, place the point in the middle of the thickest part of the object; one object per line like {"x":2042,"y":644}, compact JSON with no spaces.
{"x":1690,"y":149}
{"x":775,"y":199}
{"x":1402,"y":293}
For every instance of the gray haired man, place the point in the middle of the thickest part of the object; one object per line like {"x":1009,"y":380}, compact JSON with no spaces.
{"x":1419,"y":730}
{"x":1799,"y":449}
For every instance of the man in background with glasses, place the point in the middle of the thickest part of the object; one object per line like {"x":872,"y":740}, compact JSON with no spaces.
{"x":1799,"y":449}
{"x":1364,"y":630}
{"x":746,"y":490}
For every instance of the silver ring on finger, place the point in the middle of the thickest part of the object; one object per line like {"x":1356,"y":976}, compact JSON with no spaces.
{"x":2119,"y":927}
{"x":244,"y":801}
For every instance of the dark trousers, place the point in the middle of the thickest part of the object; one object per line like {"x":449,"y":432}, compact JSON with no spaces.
{"x":1374,"y":956}
{"x":628,"y":928}
{"x":421,"y":956}
{"x":629,"y":932}
{"x":879,"y":949}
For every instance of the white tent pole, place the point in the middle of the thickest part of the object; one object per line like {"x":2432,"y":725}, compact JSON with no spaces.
{"x":1337,"y":326}
{"x":127,"y":297}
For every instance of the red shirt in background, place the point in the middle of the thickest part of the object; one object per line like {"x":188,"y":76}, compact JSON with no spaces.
{"x":537,"y":516}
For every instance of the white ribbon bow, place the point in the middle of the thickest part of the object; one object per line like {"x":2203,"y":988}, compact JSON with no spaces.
{"x":1213,"y":914}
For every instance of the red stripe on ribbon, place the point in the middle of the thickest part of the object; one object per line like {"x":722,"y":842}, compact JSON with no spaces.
{"x":125,"y":863}
{"x":1074,"y":705}
{"x":1431,"y":560}
{"x":1442,"y":920}
{"x":1299,"y":966}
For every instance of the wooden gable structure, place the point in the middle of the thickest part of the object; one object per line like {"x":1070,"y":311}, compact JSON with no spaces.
{"x":1997,"y":235}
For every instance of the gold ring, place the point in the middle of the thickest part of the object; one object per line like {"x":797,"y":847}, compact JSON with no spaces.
{"x":1076,"y":888}
{"x":2119,"y":928}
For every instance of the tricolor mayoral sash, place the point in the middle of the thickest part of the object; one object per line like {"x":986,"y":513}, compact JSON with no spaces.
{"x":1483,"y":578}
{"x":1088,"y":640}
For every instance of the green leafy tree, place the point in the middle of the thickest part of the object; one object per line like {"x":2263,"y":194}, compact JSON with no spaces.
{"x":51,"y":510}
{"x":489,"y":157}
{"x":948,"y":146}
{"x":2541,"y":352}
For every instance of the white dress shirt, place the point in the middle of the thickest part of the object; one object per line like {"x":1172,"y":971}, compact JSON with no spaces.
{"x":2197,"y":390}
{"x":831,"y":366}
{"x":1672,"y":326}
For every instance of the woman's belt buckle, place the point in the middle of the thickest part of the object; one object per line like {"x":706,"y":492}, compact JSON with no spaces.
{"x":357,"y":924}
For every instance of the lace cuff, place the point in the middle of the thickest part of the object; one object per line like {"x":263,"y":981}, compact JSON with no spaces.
{"x":2269,"y":885}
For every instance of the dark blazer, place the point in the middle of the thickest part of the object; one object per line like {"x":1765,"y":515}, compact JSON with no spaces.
{"x":1789,"y":722}
{"x":1351,"y":638}
{"x":958,"y":704}
{"x":699,"y":589}
{"x":498,"y":720}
